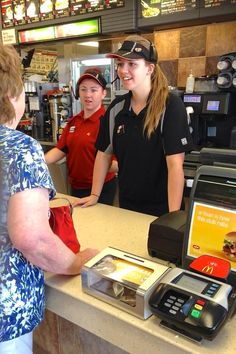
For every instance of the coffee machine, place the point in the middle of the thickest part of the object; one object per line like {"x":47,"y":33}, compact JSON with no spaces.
{"x":213,"y":118}
{"x":37,"y":120}
{"x":61,"y":109}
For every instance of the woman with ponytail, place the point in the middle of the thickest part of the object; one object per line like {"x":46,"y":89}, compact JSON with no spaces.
{"x":147,"y":130}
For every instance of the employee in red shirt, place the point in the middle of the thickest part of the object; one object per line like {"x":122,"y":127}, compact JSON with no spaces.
{"x":77,"y":141}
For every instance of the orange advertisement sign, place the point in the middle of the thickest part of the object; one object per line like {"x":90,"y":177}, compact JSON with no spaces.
{"x":213,"y":232}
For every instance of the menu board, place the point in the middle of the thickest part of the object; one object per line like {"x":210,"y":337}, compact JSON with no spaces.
{"x":155,"y":8}
{"x":46,"y":9}
{"x":80,"y":28}
{"x":82,"y":7}
{"x":217,"y":7}
{"x":19,"y":12}
{"x":42,"y":62}
{"x":32,"y":10}
{"x":62,"y":8}
{"x":7,"y":13}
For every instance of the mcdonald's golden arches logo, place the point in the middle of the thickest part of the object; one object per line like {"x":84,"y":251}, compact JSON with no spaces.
{"x":208,"y":269}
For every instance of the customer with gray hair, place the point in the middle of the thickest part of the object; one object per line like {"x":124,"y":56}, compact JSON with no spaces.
{"x":27,"y":244}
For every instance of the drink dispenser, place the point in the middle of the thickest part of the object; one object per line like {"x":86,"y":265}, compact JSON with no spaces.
{"x":61,"y":110}
{"x":213,"y":119}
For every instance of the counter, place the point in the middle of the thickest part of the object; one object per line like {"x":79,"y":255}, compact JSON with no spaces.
{"x":98,"y":227}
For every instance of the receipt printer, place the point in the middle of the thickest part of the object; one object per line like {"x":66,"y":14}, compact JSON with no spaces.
{"x":122,"y":279}
{"x":166,"y":235}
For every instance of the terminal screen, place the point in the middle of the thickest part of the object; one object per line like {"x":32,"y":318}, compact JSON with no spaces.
{"x":192,"y":98}
{"x":213,"y":105}
{"x":212,"y":232}
{"x":190,"y":283}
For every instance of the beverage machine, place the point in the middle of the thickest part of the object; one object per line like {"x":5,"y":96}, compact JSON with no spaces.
{"x":212,"y":114}
{"x":47,"y":109}
{"x":213,"y":118}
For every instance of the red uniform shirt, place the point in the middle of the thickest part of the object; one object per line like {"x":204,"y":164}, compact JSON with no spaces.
{"x":78,"y":142}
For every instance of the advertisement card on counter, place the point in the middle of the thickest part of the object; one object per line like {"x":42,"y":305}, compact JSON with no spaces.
{"x":213,"y":232}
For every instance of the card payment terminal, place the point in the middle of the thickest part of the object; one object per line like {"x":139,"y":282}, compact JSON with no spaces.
{"x":197,"y":303}
{"x":191,"y":303}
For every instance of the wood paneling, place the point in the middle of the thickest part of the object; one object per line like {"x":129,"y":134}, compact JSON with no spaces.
{"x":167,"y":43}
{"x":221,"y":38}
{"x":193,"y":42}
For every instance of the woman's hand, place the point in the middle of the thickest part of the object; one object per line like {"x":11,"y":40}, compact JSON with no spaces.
{"x":86,"y":201}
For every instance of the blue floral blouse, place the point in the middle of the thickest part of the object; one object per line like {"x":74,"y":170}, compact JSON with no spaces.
{"x":22,"y":166}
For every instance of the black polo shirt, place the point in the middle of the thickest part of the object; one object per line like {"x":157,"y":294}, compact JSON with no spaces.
{"x":142,"y":164}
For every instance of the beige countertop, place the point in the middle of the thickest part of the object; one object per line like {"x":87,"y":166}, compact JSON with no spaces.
{"x":101,"y":226}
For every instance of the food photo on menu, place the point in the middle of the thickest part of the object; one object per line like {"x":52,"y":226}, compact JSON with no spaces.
{"x":32,"y":10}
{"x":19,"y":12}
{"x":7,"y":13}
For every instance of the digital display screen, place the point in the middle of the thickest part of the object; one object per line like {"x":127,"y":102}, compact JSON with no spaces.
{"x":155,"y":8}
{"x":216,"y":3}
{"x":79,"y":7}
{"x":192,"y":284}
{"x":192,"y":98}
{"x":216,"y":7}
{"x":212,"y":231}
{"x":60,"y":31}
{"x":213,"y":105}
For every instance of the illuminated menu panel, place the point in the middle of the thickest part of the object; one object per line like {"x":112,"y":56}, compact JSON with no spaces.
{"x":216,"y":3}
{"x":19,"y":14}
{"x":60,"y":31}
{"x":7,"y":13}
{"x":32,"y":11}
{"x":155,"y":8}
{"x":62,"y":8}
{"x":217,"y":7}
{"x":46,"y":9}
{"x":77,"y":29}
{"x":82,"y":7}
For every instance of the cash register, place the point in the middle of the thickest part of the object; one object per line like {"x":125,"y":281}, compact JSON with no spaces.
{"x":197,"y":299}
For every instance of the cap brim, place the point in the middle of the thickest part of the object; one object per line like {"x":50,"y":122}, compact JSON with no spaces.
{"x":124,"y":55}
{"x":89,"y":76}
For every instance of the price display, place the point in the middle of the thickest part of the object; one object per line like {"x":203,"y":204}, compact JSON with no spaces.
{"x":82,"y":7}
{"x":62,"y":8}
{"x":166,"y":7}
{"x":217,"y":7}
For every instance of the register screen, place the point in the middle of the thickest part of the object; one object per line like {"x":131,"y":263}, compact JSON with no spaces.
{"x":212,"y":232}
{"x":213,"y":105}
{"x":190,"y":283}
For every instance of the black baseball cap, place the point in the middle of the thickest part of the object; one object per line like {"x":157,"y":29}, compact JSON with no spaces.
{"x":95,"y":74}
{"x":131,"y":50}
